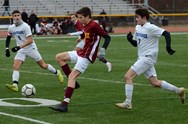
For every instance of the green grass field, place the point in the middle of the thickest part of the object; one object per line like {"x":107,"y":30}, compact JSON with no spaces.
{"x":94,"y":102}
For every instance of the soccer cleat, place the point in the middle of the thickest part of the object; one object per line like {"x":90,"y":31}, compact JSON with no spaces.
{"x":124,"y":105}
{"x":13,"y":87}
{"x":109,"y":66}
{"x":60,"y":76}
{"x":60,"y":108}
{"x":182,"y":94}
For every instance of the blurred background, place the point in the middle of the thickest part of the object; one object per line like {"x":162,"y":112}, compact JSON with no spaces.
{"x":111,"y":13}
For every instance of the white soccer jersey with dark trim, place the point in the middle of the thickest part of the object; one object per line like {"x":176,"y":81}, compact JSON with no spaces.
{"x":21,"y":33}
{"x":147,"y":37}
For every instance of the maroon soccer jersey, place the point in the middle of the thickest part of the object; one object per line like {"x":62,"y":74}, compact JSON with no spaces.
{"x":92,"y":36}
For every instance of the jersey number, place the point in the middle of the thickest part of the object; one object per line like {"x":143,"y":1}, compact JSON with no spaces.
{"x":19,"y":38}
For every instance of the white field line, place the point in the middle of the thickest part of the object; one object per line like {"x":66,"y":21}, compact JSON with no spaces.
{"x":84,"y":78}
{"x":24,"y":118}
{"x":99,"y":80}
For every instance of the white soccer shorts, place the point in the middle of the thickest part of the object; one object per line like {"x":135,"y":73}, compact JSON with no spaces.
{"x":33,"y":53}
{"x":146,"y":66}
{"x":81,"y":63}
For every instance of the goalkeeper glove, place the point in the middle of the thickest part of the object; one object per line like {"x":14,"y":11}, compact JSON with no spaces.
{"x":15,"y":49}
{"x":7,"y":52}
{"x":101,"y":54}
{"x":170,"y":51}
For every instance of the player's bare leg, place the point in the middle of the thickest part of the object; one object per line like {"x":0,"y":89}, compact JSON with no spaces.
{"x":61,"y":58}
{"x":167,"y":86}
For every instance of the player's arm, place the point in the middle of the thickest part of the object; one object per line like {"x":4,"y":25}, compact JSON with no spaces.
{"x":101,"y":54}
{"x":7,"y":44}
{"x":75,"y":33}
{"x":167,"y":36}
{"x":130,"y":39}
{"x":26,"y":43}
{"x":107,"y":39}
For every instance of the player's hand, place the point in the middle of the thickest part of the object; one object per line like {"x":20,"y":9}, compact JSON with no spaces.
{"x":7,"y":53}
{"x":129,"y":36}
{"x":170,"y":51}
{"x":15,"y":49}
{"x":101,"y":54}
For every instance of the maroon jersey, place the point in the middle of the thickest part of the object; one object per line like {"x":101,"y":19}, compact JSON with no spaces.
{"x":92,"y":36}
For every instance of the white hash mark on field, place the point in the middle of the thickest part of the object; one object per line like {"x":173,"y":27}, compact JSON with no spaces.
{"x":24,"y":118}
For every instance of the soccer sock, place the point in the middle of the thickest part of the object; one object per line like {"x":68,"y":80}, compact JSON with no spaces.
{"x":15,"y":76}
{"x":66,"y":69}
{"x":167,"y":86}
{"x":68,"y":93}
{"x":104,"y":60}
{"x":52,"y":69}
{"x":128,"y":92}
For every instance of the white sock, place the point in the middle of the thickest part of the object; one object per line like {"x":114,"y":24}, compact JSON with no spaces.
{"x":128,"y":92}
{"x":167,"y":86}
{"x":15,"y":75}
{"x":51,"y":69}
{"x":107,"y":63}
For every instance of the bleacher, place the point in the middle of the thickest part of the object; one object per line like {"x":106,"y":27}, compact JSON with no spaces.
{"x":62,"y":7}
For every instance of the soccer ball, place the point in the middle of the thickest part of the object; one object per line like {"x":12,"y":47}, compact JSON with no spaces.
{"x":28,"y":90}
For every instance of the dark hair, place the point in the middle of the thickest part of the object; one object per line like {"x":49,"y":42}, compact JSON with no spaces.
{"x":142,"y":12}
{"x":15,"y":11}
{"x":85,"y":11}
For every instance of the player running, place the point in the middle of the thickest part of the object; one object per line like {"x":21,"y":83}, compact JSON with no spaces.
{"x":26,"y":47}
{"x":79,"y":27}
{"x":146,"y":38}
{"x":83,"y":58}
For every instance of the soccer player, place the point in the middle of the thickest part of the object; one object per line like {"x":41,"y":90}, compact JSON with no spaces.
{"x":26,"y":47}
{"x":146,"y":38}
{"x":78,"y":26}
{"x":84,"y":57}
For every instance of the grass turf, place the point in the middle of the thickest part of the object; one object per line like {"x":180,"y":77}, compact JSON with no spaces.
{"x":94,"y":102}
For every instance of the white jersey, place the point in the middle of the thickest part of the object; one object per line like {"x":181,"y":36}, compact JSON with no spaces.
{"x":20,"y":33}
{"x":147,"y":37}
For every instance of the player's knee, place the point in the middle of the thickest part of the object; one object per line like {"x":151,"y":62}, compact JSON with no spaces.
{"x":62,"y":57}
{"x":128,"y":78}
{"x":15,"y":67}
{"x":59,"y":57}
